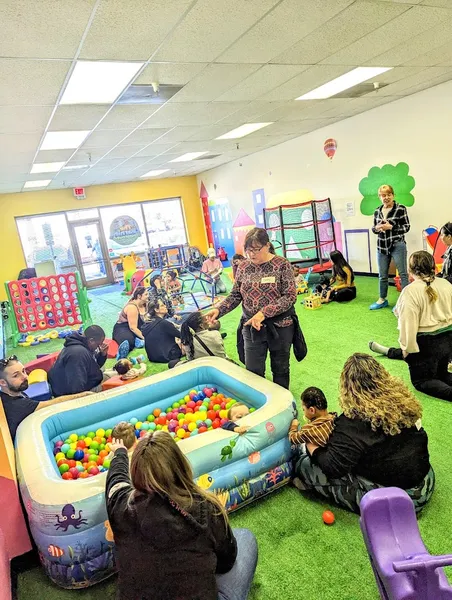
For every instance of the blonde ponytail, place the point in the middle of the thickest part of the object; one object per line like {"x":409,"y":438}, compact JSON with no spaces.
{"x":422,"y":264}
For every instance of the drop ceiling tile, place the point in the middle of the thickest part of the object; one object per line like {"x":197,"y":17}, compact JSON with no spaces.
{"x":206,"y":134}
{"x":281,"y":28}
{"x":155,"y":149}
{"x":443,"y":3}
{"x":398,"y":88}
{"x":190,"y":146}
{"x":193,"y":113}
{"x":441,"y":56}
{"x":409,"y":51}
{"x":24,"y":119}
{"x":44,"y":29}
{"x":305,"y":82}
{"x":76,"y":117}
{"x":209,"y":28}
{"x":348,"y":26}
{"x":89,"y":155}
{"x":254,"y":112}
{"x":266,"y":78}
{"x":404,"y":1}
{"x":103,"y":138}
{"x":45,"y":156}
{"x":428,"y":83}
{"x":108,"y":163}
{"x":134,"y":162}
{"x":179,"y":134}
{"x":401,"y":29}
{"x":169,"y":73}
{"x":297,"y":110}
{"x":122,"y":151}
{"x":127,"y":117}
{"x":214,"y":81}
{"x":131,"y":30}
{"x":145,"y":136}
{"x":31,"y":82}
{"x":10,"y":188}
{"x":18,"y":142}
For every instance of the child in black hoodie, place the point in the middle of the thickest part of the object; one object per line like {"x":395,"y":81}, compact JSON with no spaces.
{"x":173,"y":539}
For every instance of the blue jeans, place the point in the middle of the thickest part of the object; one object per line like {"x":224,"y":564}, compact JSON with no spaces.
{"x":236,"y":583}
{"x":398,"y":253}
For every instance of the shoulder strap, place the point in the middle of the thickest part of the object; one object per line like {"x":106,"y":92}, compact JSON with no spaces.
{"x":206,"y":348}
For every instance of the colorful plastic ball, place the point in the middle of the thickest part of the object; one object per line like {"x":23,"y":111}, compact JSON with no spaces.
{"x":214,"y":390}
{"x":65,"y":448}
{"x":73,"y":437}
{"x":93,"y":458}
{"x":208,"y":422}
{"x":61,"y":461}
{"x":133,"y":420}
{"x":191,"y":426}
{"x":152,"y":426}
{"x":94,"y":445}
{"x":66,"y":475}
{"x":157,"y":412}
{"x":159,"y":427}
{"x":56,"y":451}
{"x":223,"y":414}
{"x":180,"y":417}
{"x":328,"y":517}
{"x":91,"y":434}
{"x":223,"y":421}
{"x":150,"y":418}
{"x":59,"y":443}
{"x":137,"y":433}
{"x":202,"y":429}
{"x":216,"y":424}
{"x":165,"y":428}
{"x":180,"y":433}
{"x":143,"y":432}
{"x":176,"y":404}
{"x":83,"y":475}
{"x":162,"y":415}
{"x":63,"y":468}
{"x":201,"y":395}
{"x":93,"y":471}
{"x":207,"y":392}
{"x":194,"y":432}
{"x":74,"y":472}
{"x":216,"y":407}
{"x":138,"y":424}
{"x":78,"y":454}
{"x":252,"y":409}
{"x":70,"y":453}
{"x":81,"y":444}
{"x":107,"y":463}
{"x":71,"y":463}
{"x":100,"y":433}
{"x":211,"y":414}
{"x":172,"y":434}
{"x":108,"y":432}
{"x":145,"y":426}
{"x":88,"y":440}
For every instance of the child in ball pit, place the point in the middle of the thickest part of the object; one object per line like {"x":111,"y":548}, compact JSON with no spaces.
{"x":187,"y":550}
{"x":236,"y":412}
{"x":125,"y":432}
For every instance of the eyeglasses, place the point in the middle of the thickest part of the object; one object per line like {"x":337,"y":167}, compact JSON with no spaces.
{"x":5,"y":361}
{"x":252,"y":250}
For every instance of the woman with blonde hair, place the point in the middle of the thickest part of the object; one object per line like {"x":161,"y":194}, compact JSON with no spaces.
{"x":377,"y":441}
{"x":173,"y":539}
{"x":391,"y":223}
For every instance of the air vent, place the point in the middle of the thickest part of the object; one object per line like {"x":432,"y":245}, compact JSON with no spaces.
{"x":208,"y":156}
{"x":360,"y":90}
{"x":145,"y":94}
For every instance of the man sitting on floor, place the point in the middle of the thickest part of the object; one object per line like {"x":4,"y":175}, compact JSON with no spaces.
{"x":16,"y":404}
{"x":78,"y":366}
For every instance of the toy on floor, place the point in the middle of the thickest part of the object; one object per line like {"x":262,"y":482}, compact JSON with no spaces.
{"x":82,"y":456}
{"x":136,"y":360}
{"x":313,"y":302}
{"x":328,"y":517}
{"x":38,"y":387}
{"x":403,"y":568}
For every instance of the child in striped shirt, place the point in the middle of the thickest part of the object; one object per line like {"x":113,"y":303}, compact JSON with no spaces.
{"x":320,"y":422}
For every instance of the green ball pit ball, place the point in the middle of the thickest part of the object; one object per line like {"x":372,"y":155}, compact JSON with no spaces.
{"x":106,"y":463}
{"x":176,"y":404}
{"x":70,"y":454}
{"x":101,"y":447}
{"x":81,"y":437}
{"x":91,"y":434}
{"x":159,"y":427}
{"x":108,"y":432}
{"x":92,"y":458}
{"x":150,"y":418}
{"x":252,"y":410}
{"x":216,"y":407}
{"x":94,"y":446}
{"x":63,"y":468}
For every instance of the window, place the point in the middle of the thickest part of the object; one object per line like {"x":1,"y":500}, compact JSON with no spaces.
{"x":46,"y":238}
{"x":80,"y":215}
{"x":165,"y":222}
{"x":124,"y":229}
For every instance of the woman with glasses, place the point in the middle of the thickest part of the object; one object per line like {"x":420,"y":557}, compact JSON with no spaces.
{"x":391,"y":223}
{"x":265,"y":286}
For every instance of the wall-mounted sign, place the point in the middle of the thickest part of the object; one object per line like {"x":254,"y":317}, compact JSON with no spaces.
{"x":79,"y":193}
{"x":124,"y":231}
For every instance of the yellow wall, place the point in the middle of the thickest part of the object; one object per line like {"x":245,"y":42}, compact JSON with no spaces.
{"x":31,"y":203}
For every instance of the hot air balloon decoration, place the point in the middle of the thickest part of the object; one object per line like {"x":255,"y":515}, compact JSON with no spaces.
{"x":330,"y":147}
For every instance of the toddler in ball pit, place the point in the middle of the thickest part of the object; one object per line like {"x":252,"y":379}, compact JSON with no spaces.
{"x":126,"y":433}
{"x":236,"y":412}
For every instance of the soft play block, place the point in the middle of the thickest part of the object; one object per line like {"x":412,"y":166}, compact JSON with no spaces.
{"x":39,"y":391}
{"x":45,"y":362}
{"x":112,"y":348}
{"x":116,"y":381}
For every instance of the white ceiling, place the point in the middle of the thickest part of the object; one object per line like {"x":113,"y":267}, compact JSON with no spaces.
{"x":240,"y":61}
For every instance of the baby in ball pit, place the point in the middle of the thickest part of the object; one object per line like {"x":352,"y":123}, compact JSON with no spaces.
{"x":236,"y":412}
{"x":126,"y":433}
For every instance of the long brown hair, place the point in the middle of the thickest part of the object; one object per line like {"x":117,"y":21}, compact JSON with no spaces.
{"x":370,"y":393}
{"x":422,"y":264}
{"x":158,"y":465}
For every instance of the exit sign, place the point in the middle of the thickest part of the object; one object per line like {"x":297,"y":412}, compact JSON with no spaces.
{"x":79,"y":193}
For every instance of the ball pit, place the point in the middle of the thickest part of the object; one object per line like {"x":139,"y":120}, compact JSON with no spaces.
{"x":85,"y":455}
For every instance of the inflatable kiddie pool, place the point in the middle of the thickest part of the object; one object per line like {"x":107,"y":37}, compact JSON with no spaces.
{"x":68,"y":519}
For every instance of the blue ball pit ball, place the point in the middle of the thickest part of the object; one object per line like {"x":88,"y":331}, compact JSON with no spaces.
{"x":201,"y":396}
{"x":79,"y":454}
{"x":137,"y":433}
{"x":133,"y":420}
{"x":65,"y":448}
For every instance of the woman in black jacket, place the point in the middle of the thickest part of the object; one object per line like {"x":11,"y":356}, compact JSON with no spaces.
{"x":173,"y":539}
{"x":160,"y":335}
{"x":378,"y":441}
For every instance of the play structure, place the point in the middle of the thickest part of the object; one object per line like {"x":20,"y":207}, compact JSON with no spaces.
{"x":303,"y":233}
{"x":402,"y":565}
{"x":43,"y":303}
{"x":68,"y":519}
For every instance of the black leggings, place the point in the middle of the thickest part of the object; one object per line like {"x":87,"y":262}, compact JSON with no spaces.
{"x":429,"y":367}
{"x":343,"y":294}
{"x":122,"y":333}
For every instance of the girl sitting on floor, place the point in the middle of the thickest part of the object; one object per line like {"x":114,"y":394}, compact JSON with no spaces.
{"x":159,"y":517}
{"x":342,"y":282}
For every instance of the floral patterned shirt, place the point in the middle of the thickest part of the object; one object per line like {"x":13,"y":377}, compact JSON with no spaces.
{"x":269,"y":287}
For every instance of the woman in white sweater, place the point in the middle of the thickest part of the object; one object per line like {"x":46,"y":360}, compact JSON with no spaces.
{"x":424,"y":311}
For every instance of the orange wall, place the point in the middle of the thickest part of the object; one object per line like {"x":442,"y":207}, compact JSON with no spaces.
{"x":31,"y":203}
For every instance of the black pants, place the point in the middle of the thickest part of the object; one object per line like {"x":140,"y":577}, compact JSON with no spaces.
{"x":343,"y":294}
{"x":429,"y":367}
{"x":258,"y":343}
{"x":121,"y":333}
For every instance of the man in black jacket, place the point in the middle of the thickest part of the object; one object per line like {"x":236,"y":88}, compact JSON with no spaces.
{"x":78,"y":366}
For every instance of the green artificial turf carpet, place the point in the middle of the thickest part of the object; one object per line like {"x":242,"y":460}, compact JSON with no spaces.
{"x":300,"y":557}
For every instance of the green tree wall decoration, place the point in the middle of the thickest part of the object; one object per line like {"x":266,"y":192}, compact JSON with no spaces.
{"x":397,"y":176}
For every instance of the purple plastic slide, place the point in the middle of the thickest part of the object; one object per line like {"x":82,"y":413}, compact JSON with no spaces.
{"x":402,"y":566}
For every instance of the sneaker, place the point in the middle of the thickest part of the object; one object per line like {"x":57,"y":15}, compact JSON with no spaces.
{"x":297,"y":483}
{"x":123,"y":350}
{"x":377,"y":306}
{"x":139,"y":343}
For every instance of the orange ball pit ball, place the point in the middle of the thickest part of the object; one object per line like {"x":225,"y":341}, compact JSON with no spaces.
{"x":328,"y":517}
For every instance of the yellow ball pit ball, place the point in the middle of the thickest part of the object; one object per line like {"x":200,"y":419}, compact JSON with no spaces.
{"x":88,"y":441}
{"x":73,"y":437}
{"x":138,"y":425}
{"x":223,"y":414}
{"x":100,"y":433}
{"x":187,"y":398}
{"x":180,"y":433}
{"x":202,"y":415}
{"x":164,"y":427}
{"x":59,"y":456}
{"x":191,"y":426}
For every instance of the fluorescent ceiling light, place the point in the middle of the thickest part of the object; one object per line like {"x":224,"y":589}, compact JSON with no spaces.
{"x":98,"y":82}
{"x":63,"y":140}
{"x":154,"y":173}
{"x":188,"y":156}
{"x":243,"y":130}
{"x":37,"y":183}
{"x":72,"y":167}
{"x":344,"y":82}
{"x":51,"y":167}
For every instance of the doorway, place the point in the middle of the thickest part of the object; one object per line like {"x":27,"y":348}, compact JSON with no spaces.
{"x":91,"y":253}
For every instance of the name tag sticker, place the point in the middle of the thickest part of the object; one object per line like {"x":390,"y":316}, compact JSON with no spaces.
{"x":268,"y":280}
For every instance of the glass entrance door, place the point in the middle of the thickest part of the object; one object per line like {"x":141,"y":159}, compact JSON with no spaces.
{"x":91,"y":253}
